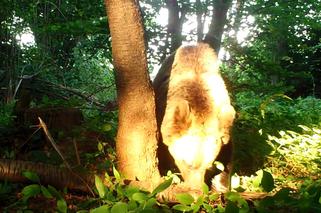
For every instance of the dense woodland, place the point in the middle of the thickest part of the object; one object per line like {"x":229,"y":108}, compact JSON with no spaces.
{"x":56,"y":63}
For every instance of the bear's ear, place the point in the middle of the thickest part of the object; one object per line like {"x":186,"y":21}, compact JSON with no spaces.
{"x":177,"y":120}
{"x":182,"y":114}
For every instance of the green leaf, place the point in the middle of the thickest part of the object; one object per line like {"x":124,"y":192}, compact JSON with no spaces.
{"x":151,"y":203}
{"x":100,"y":147}
{"x":182,"y":207}
{"x":132,"y":205}
{"x":185,"y":198}
{"x":119,"y":207}
{"x":239,"y":189}
{"x":130,"y":190}
{"x":45,"y":192}
{"x":61,"y":206}
{"x":200,"y":200}
{"x":120,"y":190}
{"x":267,"y":181}
{"x":140,"y":197}
{"x":231,"y":208}
{"x":30,"y":190}
{"x":100,"y":187}
{"x":258,"y":179}
{"x":161,"y":187}
{"x":31,"y":176}
{"x":106,"y":127}
{"x":283,"y":194}
{"x":109,"y":180}
{"x":205,"y":189}
{"x":116,"y":174}
{"x":101,"y":209}
{"x":195,"y":208}
{"x":238,"y":199}
{"x":110,"y":196}
{"x":53,"y":191}
{"x":213,"y":197}
{"x":207,"y":207}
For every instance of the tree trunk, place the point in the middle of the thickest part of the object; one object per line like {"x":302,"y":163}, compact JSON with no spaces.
{"x":216,"y":29}
{"x":49,"y":174}
{"x":137,"y":132}
{"x":176,"y":16}
{"x":199,"y":18}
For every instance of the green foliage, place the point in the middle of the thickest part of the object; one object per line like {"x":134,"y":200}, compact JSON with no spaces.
{"x":297,"y":152}
{"x":307,"y":199}
{"x":236,"y":202}
{"x":47,"y":102}
{"x":100,"y":187}
{"x":291,"y":130}
{"x":262,"y":181}
{"x":187,"y":203}
{"x":30,"y":191}
{"x":162,"y":187}
{"x":37,"y":189}
{"x":120,"y":198}
{"x":282,"y":50}
{"x":279,"y":59}
{"x":31,"y":176}
{"x":251,"y":129}
{"x":92,"y":69}
{"x":6,"y":115}
{"x":267,"y":182}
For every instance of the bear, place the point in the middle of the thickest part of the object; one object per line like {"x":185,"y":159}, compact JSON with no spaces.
{"x":194,"y":115}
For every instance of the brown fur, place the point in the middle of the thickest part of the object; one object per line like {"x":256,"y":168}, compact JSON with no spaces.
{"x":193,"y":111}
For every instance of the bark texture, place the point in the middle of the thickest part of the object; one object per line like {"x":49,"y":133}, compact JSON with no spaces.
{"x":49,"y":174}
{"x":137,"y":132}
{"x":216,"y":29}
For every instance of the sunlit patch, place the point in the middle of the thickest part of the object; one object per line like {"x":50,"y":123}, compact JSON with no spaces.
{"x":26,"y":38}
{"x":195,"y":150}
{"x":161,"y":18}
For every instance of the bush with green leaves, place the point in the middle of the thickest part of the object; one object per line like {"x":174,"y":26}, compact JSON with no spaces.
{"x":306,"y":199}
{"x":92,"y":71}
{"x":297,"y":153}
{"x":261,"y":181}
{"x":259,"y":116}
{"x":119,"y":198}
{"x":277,"y":111}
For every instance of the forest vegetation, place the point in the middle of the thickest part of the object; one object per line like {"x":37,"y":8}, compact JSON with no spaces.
{"x":79,"y":70}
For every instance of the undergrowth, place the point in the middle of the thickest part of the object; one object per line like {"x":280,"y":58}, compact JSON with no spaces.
{"x":277,"y":144}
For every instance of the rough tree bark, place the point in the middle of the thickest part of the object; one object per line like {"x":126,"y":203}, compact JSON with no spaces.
{"x":137,"y":132}
{"x":216,"y":29}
